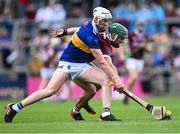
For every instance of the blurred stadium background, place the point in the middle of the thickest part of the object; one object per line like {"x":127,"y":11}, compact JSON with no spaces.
{"x":25,"y":44}
{"x":24,"y":39}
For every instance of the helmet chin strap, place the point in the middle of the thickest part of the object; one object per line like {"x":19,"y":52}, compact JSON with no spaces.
{"x":110,"y":37}
{"x":95,"y":25}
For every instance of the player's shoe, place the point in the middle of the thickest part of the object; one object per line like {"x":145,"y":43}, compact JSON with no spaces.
{"x":109,"y":118}
{"x":10,"y":113}
{"x":76,"y":116}
{"x":89,"y":109}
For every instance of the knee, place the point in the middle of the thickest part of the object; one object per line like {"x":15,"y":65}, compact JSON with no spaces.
{"x":93,"y":91}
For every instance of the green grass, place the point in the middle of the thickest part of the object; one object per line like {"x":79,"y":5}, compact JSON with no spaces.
{"x":53,"y":117}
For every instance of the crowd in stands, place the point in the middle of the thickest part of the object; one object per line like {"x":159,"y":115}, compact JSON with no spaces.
{"x":25,"y":26}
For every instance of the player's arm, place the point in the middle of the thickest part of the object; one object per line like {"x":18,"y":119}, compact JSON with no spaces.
{"x":122,"y":53}
{"x":147,"y":47}
{"x":109,"y":61}
{"x":144,"y":45}
{"x":62,"y":32}
{"x":107,"y":68}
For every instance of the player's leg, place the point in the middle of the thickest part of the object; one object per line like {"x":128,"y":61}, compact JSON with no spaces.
{"x":43,"y":83}
{"x":54,"y":85}
{"x":70,"y":88}
{"x":133,"y":75}
{"x":97,"y":76}
{"x":44,"y":78}
{"x":90,"y":91}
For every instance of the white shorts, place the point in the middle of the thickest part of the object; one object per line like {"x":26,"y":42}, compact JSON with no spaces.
{"x":132,"y":63}
{"x":74,"y":70}
{"x":46,"y":72}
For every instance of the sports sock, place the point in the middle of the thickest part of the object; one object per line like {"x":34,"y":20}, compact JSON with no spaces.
{"x":76,"y":109}
{"x":107,"y":111}
{"x":17,"y":107}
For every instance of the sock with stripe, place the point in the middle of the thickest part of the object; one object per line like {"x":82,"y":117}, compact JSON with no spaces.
{"x":17,"y":107}
{"x":107,"y":111}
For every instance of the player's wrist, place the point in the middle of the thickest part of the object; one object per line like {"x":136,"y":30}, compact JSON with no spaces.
{"x":65,"y":32}
{"x":115,"y":79}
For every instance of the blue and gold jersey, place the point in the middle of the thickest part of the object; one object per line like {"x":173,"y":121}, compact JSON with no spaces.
{"x":82,"y":41}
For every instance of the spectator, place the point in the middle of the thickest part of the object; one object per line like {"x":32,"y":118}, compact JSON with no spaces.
{"x":156,"y":20}
{"x":120,"y":13}
{"x":143,"y":13}
{"x":29,"y":15}
{"x":22,"y":7}
{"x":132,"y":16}
{"x":170,"y":9}
{"x":44,"y":16}
{"x":76,"y":11}
{"x":49,"y":58}
{"x":41,"y":39}
{"x":59,"y":16}
{"x":7,"y":22}
{"x":5,"y":46}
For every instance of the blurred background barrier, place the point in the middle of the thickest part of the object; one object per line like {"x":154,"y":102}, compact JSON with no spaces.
{"x":12,"y":89}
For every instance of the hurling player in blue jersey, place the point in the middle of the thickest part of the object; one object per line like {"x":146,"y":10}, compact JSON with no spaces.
{"x":115,"y":37}
{"x":73,"y":64}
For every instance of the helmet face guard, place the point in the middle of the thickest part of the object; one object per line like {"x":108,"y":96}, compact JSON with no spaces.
{"x":120,"y":34}
{"x":119,"y":42}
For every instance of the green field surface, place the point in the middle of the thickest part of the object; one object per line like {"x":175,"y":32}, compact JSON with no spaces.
{"x":54,"y":117}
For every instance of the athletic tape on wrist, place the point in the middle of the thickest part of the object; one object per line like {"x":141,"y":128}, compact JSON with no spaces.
{"x":64,"y":33}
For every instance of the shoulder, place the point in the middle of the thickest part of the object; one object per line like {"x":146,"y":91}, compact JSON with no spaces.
{"x":87,"y":25}
{"x":86,"y":31}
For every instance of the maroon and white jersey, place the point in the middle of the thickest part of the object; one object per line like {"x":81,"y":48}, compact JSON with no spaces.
{"x":104,"y":45}
{"x":135,"y":40}
{"x":47,"y":60}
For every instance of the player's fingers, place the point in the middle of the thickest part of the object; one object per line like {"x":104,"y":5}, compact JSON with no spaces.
{"x":56,"y":33}
{"x":60,"y":31}
{"x":120,"y":90}
{"x":53,"y":33}
{"x":110,"y":83}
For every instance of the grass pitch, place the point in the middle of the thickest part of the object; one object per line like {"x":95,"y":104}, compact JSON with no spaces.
{"x":54,"y":117}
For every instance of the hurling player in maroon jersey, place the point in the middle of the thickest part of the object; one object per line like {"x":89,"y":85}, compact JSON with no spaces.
{"x":135,"y":63}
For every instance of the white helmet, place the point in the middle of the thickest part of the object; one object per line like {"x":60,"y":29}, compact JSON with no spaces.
{"x":102,"y":13}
